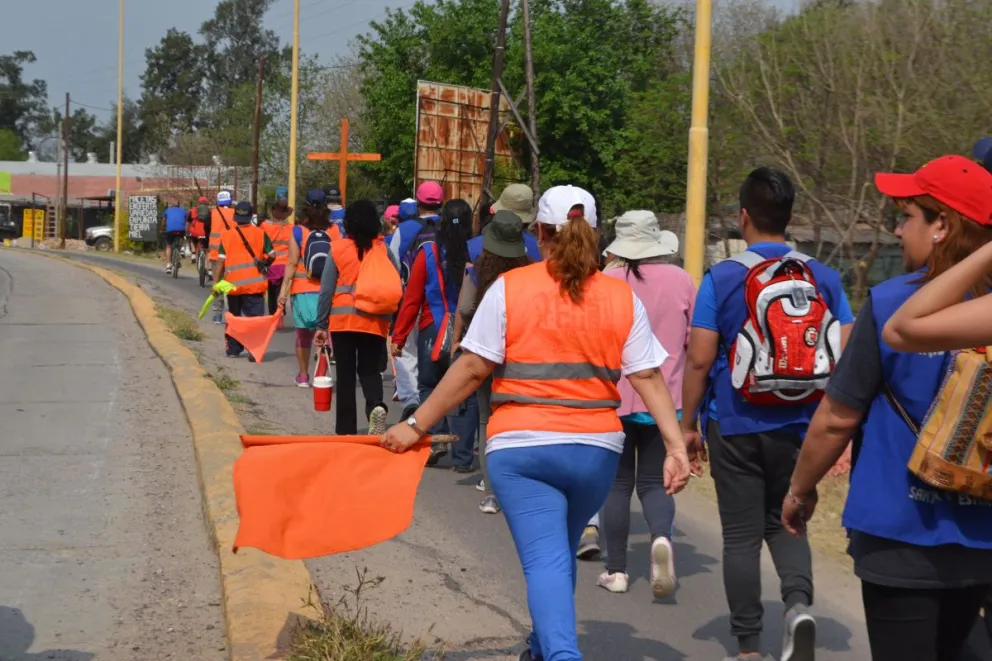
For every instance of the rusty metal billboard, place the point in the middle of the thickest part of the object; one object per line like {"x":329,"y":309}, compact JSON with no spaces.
{"x":452,"y":125}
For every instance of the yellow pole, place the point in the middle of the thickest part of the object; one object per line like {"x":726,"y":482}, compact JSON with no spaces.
{"x":120,"y":129}
{"x":294,"y":106}
{"x":695,"y":207}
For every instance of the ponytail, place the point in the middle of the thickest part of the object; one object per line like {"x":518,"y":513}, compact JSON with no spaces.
{"x":574,"y":256}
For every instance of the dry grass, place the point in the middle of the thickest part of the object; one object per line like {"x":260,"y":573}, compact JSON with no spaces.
{"x":346,"y":632}
{"x":224,"y":382}
{"x":825,"y":532}
{"x":181,"y":324}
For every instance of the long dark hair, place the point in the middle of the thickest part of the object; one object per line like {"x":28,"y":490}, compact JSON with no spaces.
{"x":318,"y":218}
{"x":490,"y":266}
{"x":362,"y":224}
{"x":453,"y":233}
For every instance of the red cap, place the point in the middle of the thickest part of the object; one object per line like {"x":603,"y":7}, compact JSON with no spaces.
{"x":430,"y":192}
{"x":392,"y":213}
{"x":958,"y":182}
{"x":203,"y":200}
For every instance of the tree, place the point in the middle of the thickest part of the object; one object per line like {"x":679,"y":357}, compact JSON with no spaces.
{"x":133,"y":146}
{"x":10,"y":146}
{"x":22,"y":102}
{"x":173,"y":84}
{"x":235,"y":40}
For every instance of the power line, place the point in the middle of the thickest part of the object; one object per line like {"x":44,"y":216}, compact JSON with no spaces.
{"x":86,"y":105}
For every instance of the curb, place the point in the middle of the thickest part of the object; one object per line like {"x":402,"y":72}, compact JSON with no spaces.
{"x":263,"y":596}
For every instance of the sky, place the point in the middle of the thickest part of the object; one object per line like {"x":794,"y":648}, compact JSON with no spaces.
{"x":76,"y":41}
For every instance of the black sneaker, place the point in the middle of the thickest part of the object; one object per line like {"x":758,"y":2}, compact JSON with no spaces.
{"x":438,"y":450}
{"x":464,"y":470}
{"x":527,"y":656}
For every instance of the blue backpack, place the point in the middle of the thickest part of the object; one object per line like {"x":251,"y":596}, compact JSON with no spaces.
{"x":427,"y":234}
{"x":315,"y":253}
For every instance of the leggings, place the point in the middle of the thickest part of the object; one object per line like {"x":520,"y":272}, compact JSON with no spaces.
{"x":548,"y":494}
{"x":485,"y":393}
{"x":918,"y":624}
{"x":641,"y":464}
{"x":304,"y":338}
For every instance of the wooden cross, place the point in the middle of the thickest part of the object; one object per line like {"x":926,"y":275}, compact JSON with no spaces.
{"x":343,"y":157}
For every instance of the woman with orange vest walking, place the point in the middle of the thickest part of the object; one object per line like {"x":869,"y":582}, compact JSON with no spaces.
{"x":243,"y":248}
{"x":305,"y":283}
{"x":220,"y":220}
{"x":280,"y":233}
{"x":556,"y":336}
{"x":358,"y":337}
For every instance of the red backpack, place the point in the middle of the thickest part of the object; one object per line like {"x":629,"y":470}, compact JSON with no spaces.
{"x":790,"y":342}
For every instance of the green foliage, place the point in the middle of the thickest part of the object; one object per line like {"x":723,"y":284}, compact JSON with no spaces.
{"x":173,"y":85}
{"x":10,"y":146}
{"x":22,"y":102}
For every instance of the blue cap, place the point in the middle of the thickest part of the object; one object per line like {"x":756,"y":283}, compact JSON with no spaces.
{"x":337,"y":214}
{"x":243,"y":212}
{"x":983,"y":152}
{"x":316,"y":198}
{"x":282,"y":193}
{"x":408,"y":210}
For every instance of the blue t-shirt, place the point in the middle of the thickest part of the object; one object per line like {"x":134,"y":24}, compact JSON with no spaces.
{"x":175,"y":219}
{"x":646,"y":419}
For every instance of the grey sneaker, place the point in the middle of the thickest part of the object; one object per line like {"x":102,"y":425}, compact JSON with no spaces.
{"x":438,"y":451}
{"x":489,"y":505}
{"x":589,"y":544}
{"x":377,"y":421}
{"x":799,"y":638}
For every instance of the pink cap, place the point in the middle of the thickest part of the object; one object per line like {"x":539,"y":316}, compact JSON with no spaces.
{"x":392,"y":213}
{"x":430,"y":192}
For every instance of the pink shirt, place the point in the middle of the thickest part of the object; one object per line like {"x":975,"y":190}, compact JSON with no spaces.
{"x":668,"y":294}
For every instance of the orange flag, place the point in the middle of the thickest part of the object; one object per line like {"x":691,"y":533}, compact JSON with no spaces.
{"x":254,"y":333}
{"x":309,"y":496}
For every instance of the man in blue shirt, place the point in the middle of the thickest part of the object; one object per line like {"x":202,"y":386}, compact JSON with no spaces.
{"x":175,"y":229}
{"x":754,"y":446}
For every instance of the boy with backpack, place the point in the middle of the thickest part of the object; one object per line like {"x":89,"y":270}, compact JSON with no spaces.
{"x":777,"y":320}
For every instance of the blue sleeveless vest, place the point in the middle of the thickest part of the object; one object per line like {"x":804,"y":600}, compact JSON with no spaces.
{"x":737,"y":416}
{"x":885,"y":499}
{"x":475,"y":249}
{"x":432,"y":290}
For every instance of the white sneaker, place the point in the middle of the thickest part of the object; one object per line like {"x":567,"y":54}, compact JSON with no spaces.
{"x":799,"y":636}
{"x":377,"y":421}
{"x":481,"y":486}
{"x":168,"y":269}
{"x":662,"y":568}
{"x":615,"y":583}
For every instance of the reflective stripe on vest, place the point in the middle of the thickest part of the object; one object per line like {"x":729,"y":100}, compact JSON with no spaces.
{"x":240,"y":268}
{"x":221,"y":218}
{"x":302,"y":284}
{"x":563,"y":360}
{"x":344,"y":316}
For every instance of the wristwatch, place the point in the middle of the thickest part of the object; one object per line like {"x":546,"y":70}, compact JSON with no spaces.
{"x":412,"y":423}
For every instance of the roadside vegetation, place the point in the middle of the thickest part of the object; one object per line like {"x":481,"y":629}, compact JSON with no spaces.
{"x":181,"y":324}
{"x":345,"y":631}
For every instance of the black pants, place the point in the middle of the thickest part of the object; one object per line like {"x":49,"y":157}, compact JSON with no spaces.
{"x":364,"y":355}
{"x":274,"y":289}
{"x":752,"y":474}
{"x":917,"y":624}
{"x":243,"y":305}
{"x":641,"y":464}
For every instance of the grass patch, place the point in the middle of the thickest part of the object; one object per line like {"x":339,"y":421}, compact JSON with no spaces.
{"x":181,"y":324}
{"x":346,"y":632}
{"x":260,"y":429}
{"x":224,"y":382}
{"x":235,"y":398}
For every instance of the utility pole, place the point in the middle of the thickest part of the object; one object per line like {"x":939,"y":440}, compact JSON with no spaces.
{"x":258,"y":133}
{"x":535,"y":164}
{"x":294,"y":112}
{"x":120,"y":128}
{"x":695,"y":207}
{"x":487,"y":177}
{"x":66,"y":133}
{"x":528,"y":127}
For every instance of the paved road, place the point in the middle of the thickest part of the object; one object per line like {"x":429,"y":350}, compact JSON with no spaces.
{"x":104,"y":550}
{"x":454,"y":576}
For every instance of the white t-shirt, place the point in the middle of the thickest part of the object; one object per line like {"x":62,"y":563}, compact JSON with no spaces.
{"x":486,"y":337}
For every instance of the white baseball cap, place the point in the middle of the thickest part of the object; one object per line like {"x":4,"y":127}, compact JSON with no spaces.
{"x":558,"y":202}
{"x":223,"y":197}
{"x":639,"y":236}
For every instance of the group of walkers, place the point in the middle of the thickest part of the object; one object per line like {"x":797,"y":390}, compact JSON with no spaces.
{"x":582,"y":375}
{"x":591,"y":383}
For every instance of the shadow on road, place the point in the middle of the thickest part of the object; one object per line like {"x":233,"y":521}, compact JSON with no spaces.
{"x":604,"y":641}
{"x":17,"y":636}
{"x":830,"y":634}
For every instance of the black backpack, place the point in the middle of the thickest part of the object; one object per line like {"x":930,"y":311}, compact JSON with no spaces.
{"x":427,"y":234}
{"x":316,"y":251}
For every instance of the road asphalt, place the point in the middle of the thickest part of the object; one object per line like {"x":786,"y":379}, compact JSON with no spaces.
{"x":104,"y":548}
{"x":453,"y":578}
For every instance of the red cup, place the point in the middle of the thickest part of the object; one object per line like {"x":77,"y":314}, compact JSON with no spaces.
{"x":323,"y":391}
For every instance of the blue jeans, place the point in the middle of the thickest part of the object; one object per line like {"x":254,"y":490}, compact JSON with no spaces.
{"x":464,"y":423}
{"x":548,"y":495}
{"x":428,"y":373}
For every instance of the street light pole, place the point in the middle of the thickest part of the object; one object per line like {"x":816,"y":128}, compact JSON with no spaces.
{"x":294,"y":103}
{"x":695,"y":208}
{"x":120,"y":128}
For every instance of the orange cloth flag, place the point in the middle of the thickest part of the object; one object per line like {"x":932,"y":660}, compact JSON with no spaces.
{"x":309,"y":496}
{"x":254,"y":333}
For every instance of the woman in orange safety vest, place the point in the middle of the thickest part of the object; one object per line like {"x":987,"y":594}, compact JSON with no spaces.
{"x":556,"y":336}
{"x":358,"y":338}
{"x":280,"y":233}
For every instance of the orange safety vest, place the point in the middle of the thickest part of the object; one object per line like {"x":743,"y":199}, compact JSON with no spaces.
{"x":239,"y":266}
{"x":221,"y":219}
{"x":196,"y":227}
{"x":344,"y":315}
{"x":280,"y":234}
{"x":563,"y":360}
{"x":301,"y":283}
